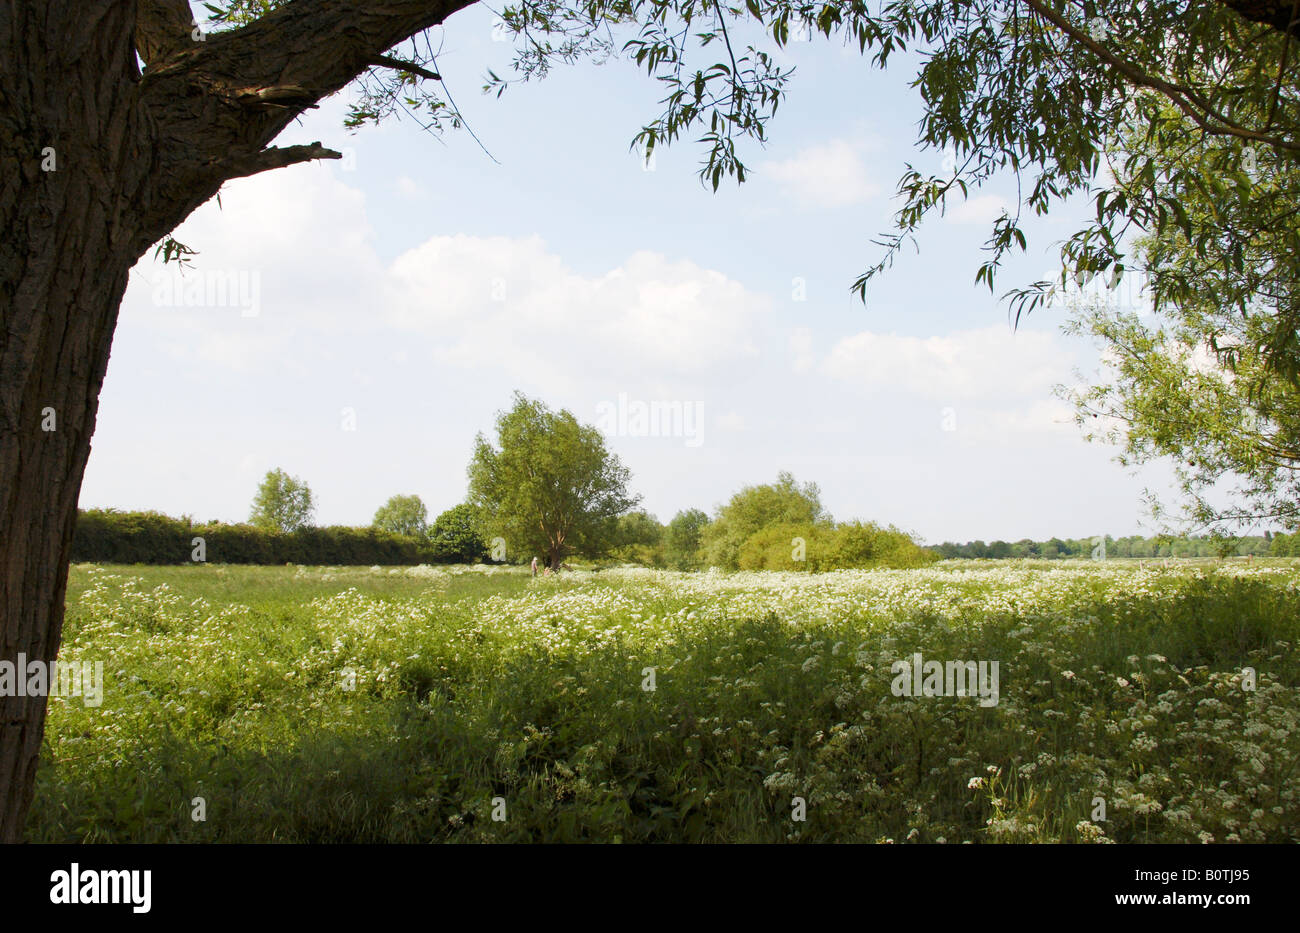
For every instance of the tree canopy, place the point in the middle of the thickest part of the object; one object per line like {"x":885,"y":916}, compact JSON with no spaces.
{"x":684,"y":539}
{"x":282,"y":503}
{"x":1036,"y":90}
{"x":549,"y":486}
{"x":455,"y":535}
{"x":755,"y":508}
{"x":1211,"y":380}
{"x":639,"y":538}
{"x":403,"y":515}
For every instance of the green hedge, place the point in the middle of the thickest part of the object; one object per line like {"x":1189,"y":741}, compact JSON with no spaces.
{"x":110,"y":536}
{"x":802,"y":546}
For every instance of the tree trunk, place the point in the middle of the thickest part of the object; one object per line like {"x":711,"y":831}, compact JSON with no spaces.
{"x":51,"y":390}
{"x":67,"y":174}
{"x":98,"y":162}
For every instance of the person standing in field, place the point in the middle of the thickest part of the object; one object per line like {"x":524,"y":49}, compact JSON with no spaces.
{"x":534,"y":566}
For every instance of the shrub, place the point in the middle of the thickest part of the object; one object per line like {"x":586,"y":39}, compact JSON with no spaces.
{"x":110,"y":536}
{"x":819,"y":547}
{"x":455,"y":537}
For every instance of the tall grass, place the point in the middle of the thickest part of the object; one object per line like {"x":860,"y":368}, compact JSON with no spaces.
{"x":406,"y":705}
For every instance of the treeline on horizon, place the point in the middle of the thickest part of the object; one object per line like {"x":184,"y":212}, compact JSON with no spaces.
{"x":771,"y":526}
{"x":112,"y":537}
{"x":549,"y":491}
{"x":1269,"y":544}
{"x":775,"y":526}
{"x":117,"y":537}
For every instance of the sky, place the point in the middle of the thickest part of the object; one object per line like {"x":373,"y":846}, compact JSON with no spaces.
{"x":357,"y":322}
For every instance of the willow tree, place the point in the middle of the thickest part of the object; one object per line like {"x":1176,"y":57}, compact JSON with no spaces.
{"x":1210,"y":382}
{"x":119,"y":117}
{"x":548,"y":486}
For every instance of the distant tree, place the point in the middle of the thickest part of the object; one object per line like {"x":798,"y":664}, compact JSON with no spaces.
{"x":403,"y":515}
{"x":639,"y":538}
{"x":455,"y":536}
{"x":754,"y":508}
{"x":867,"y":548}
{"x":1210,"y":381}
{"x":1223,"y":545}
{"x":828,"y":546}
{"x":786,"y":546}
{"x":999,"y":550}
{"x":866,"y":544}
{"x":1206,"y":399}
{"x":683,"y":539}
{"x":550,"y":486}
{"x":283,"y":503}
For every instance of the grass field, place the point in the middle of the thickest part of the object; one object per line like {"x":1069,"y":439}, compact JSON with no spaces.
{"x":307,"y":704}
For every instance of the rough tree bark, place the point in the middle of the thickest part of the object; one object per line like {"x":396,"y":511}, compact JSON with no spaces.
{"x":98,"y":162}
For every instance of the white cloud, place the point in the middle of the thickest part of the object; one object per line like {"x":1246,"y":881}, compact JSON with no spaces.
{"x":410,"y":188}
{"x":991,"y":362}
{"x":981,"y":209}
{"x":1043,"y":416}
{"x":832,"y":174}
{"x":730,"y":421}
{"x":426,"y":343}
{"x":801,"y":349}
{"x":502,"y":304}
{"x":489,"y":299}
{"x":277,"y":252}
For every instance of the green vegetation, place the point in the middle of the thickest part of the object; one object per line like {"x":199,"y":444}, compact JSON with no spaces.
{"x":549,"y":487}
{"x":831,"y":547}
{"x":348,"y":705}
{"x":284,"y":503}
{"x":756,"y":508}
{"x":783,"y":526}
{"x":1042,"y":91}
{"x":683,"y":539}
{"x":639,"y":540}
{"x":149,"y":537}
{"x":1157,"y":546}
{"x":455,"y":535}
{"x":1211,"y":381}
{"x":106,"y":535}
{"x":403,"y":515}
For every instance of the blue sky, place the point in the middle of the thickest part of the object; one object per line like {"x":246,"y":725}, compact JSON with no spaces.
{"x":392,"y":303}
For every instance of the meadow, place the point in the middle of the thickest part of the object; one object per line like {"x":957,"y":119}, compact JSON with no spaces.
{"x":478,"y":704}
